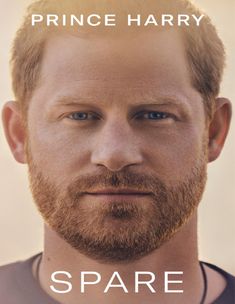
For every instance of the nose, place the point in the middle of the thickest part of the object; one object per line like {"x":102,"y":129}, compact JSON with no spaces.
{"x":116,"y":147}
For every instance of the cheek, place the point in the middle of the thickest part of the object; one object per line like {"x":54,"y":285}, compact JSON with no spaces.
{"x":173,"y":155}
{"x":58,"y":153}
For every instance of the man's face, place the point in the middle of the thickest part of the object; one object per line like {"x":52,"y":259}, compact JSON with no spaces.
{"x":116,"y":142}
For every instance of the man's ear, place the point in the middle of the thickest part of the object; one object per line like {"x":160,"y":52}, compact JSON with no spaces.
{"x":218,"y":127}
{"x":14,"y":130}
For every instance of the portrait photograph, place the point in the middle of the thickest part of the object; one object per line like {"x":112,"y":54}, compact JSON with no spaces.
{"x":117,"y":163}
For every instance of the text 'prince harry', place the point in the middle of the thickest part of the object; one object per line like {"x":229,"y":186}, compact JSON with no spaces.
{"x":111,"y":20}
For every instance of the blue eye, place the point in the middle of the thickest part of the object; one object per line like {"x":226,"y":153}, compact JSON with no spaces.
{"x":153,"y":115}
{"x":157,"y":115}
{"x":81,"y":116}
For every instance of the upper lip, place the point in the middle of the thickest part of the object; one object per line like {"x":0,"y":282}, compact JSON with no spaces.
{"x":111,"y":191}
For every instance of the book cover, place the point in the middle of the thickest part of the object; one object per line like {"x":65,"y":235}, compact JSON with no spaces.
{"x":117,"y":152}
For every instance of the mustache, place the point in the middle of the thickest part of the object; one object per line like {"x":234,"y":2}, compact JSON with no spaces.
{"x":117,"y":180}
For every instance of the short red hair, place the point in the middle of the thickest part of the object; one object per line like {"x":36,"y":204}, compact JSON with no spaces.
{"x":204,"y":48}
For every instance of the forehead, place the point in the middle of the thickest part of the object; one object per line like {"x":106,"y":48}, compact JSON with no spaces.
{"x":144,"y":62}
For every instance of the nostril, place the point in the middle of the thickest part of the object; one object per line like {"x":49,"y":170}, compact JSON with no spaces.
{"x":115,"y":146}
{"x":116,"y":160}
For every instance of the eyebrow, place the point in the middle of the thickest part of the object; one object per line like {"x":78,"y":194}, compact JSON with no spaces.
{"x":71,"y":100}
{"x":148,"y":99}
{"x":151,"y":99}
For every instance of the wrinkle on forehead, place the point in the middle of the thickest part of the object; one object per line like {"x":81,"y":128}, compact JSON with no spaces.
{"x":103,"y":58}
{"x":144,"y":68}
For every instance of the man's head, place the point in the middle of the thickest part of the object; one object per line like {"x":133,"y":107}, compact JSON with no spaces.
{"x":205,"y":56}
{"x":117,"y":137}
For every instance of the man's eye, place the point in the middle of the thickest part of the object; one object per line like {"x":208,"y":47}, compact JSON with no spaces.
{"x":153,"y":115}
{"x":82,"y":116}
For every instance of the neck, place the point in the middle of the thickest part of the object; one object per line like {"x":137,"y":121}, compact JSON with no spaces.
{"x":177,"y":255}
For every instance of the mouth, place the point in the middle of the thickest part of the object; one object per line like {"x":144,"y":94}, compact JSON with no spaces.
{"x":110,"y":191}
{"x":118,"y":193}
